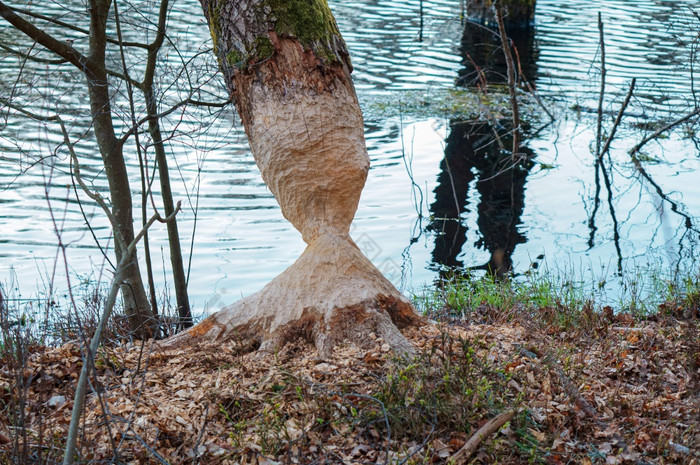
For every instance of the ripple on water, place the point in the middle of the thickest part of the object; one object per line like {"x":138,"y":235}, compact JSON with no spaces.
{"x":241,"y":238}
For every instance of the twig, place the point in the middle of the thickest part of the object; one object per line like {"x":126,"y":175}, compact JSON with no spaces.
{"x":35,"y":59}
{"x":386,"y":419}
{"x":550,"y":361}
{"x":159,"y":458}
{"x":62,"y":48}
{"x":658,"y":132}
{"x":511,"y":79}
{"x":187,"y":101}
{"x":80,"y":390}
{"x":201,"y":434}
{"x":73,"y":27}
{"x":493,"y":425}
{"x":421,"y":446}
{"x":530,"y":87}
{"x":618,"y":119}
{"x":601,"y":97}
{"x":59,"y":47}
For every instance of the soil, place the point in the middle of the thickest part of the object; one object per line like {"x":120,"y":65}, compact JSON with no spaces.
{"x":626,"y":392}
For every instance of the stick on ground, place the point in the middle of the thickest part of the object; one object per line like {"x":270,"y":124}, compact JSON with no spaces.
{"x":491,"y":426}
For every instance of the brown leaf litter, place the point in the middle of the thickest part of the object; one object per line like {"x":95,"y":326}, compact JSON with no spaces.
{"x":627,"y":394}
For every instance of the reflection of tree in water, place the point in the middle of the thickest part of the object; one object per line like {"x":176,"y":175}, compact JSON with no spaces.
{"x":471,"y":155}
{"x":482,"y":55}
{"x":474,"y":156}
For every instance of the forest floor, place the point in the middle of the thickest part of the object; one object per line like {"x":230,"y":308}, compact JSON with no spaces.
{"x":610,"y":390}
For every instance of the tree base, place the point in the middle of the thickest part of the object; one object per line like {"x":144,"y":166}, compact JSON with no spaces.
{"x":331,"y":294}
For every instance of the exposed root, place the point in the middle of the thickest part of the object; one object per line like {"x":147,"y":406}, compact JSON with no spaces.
{"x":331,"y":294}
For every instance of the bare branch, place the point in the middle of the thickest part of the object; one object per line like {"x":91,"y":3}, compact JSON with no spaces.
{"x":59,"y":47}
{"x":25,"y":112}
{"x":601,"y":96}
{"x":511,"y":71}
{"x":493,"y":425}
{"x":660,"y":131}
{"x":618,"y":119}
{"x":72,"y":27}
{"x":32,"y":58}
{"x":210,"y":104}
{"x":170,"y":110}
{"x":125,"y":78}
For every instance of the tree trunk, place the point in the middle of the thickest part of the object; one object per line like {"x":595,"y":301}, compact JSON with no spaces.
{"x":516,"y":13}
{"x":288,"y":70}
{"x":136,"y":305}
{"x":179,"y":279}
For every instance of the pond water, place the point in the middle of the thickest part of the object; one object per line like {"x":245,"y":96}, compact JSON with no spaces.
{"x":437,"y":196}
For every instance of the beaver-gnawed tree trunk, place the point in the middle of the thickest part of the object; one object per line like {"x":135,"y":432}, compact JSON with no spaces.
{"x":287,"y":68}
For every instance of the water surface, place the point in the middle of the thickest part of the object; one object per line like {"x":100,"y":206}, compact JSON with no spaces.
{"x":412,"y":221}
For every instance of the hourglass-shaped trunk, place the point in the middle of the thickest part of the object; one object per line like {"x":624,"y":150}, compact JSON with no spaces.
{"x":287,"y":68}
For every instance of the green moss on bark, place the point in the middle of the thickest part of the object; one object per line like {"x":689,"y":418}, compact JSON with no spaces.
{"x":309,"y":21}
{"x":236,"y":59}
{"x":260,"y":50}
{"x":263,"y":48}
{"x":214,"y":24}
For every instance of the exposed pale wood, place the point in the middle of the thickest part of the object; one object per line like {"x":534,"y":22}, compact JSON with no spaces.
{"x":305,"y":128}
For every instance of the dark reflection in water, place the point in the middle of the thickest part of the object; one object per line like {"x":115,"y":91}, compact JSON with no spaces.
{"x":483,"y":60}
{"x":475,"y":157}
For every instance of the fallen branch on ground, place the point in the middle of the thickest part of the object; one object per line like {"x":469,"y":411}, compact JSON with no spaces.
{"x":491,"y":426}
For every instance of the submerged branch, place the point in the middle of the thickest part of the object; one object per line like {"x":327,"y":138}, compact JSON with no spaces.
{"x":511,"y":78}
{"x":601,"y":96}
{"x":674,"y":206}
{"x":660,"y":131}
{"x":618,"y":119}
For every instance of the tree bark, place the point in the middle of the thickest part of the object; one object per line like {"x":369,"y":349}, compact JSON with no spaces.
{"x":517,"y":13}
{"x":136,"y":303}
{"x":288,"y":70}
{"x":179,"y":279}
